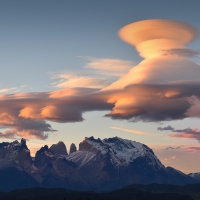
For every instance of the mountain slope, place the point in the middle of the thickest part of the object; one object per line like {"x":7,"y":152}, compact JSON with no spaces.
{"x":12,"y":178}
{"x":195,"y":176}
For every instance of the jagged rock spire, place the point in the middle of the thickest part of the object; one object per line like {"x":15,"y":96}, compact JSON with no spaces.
{"x":59,"y":149}
{"x":72,"y":148}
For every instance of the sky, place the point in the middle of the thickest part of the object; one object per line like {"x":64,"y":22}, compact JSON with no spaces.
{"x":75,"y":69}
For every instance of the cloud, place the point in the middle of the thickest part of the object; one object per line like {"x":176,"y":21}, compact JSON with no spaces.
{"x":129,"y":130}
{"x":150,"y":103}
{"x":160,"y":88}
{"x":167,"y":128}
{"x":98,"y":73}
{"x":109,"y":67}
{"x":174,"y":148}
{"x":194,"y":110}
{"x":149,"y":36}
{"x":174,"y":157}
{"x":4,"y":90}
{"x":193,"y":149}
{"x":25,"y":128}
{"x":188,"y":53}
{"x":11,"y":89}
{"x":73,"y":80}
{"x":192,"y":133}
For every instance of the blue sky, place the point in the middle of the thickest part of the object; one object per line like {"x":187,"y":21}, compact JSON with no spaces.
{"x":42,"y":39}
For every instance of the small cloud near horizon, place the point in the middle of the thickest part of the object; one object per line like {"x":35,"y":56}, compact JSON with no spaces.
{"x":129,"y":130}
{"x":191,"y":133}
{"x":173,"y":148}
{"x":167,"y":128}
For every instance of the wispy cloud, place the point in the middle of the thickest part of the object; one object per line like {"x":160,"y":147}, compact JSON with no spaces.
{"x":98,"y":73}
{"x":109,"y":67}
{"x":73,"y":80}
{"x":11,"y":89}
{"x":129,"y":130}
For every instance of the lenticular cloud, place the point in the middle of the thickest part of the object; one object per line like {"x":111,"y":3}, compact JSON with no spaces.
{"x":164,"y":86}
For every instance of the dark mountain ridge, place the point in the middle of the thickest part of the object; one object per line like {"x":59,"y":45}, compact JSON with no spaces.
{"x":189,"y":189}
{"x":63,"y":194}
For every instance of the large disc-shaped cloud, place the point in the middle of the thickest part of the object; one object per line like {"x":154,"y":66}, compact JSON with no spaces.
{"x":149,"y":36}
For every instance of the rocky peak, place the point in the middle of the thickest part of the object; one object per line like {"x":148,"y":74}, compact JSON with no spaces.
{"x":43,"y":149}
{"x":72,"y":148}
{"x":59,"y":149}
{"x":23,"y":144}
{"x":43,"y":156}
{"x":15,"y":154}
{"x":85,"y":145}
{"x":14,"y":146}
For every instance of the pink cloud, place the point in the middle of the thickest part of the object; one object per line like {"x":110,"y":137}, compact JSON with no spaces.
{"x":174,"y":157}
{"x":193,"y":149}
{"x":192,"y":133}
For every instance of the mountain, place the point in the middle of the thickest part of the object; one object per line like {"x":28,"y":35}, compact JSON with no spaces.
{"x":11,"y":178}
{"x":59,"y":149}
{"x":114,"y":162}
{"x":72,"y":148}
{"x":100,"y":165}
{"x":15,"y":154}
{"x":196,"y":176}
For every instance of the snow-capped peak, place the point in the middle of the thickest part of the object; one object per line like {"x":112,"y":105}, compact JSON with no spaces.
{"x":121,"y":150}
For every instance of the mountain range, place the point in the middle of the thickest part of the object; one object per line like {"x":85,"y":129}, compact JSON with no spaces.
{"x":98,"y":165}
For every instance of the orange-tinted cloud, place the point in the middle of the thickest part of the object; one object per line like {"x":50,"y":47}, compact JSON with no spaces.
{"x":150,"y":36}
{"x":174,"y":157}
{"x":129,"y":130}
{"x":158,"y":88}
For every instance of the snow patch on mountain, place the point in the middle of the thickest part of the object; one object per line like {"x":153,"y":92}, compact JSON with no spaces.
{"x":123,"y":151}
{"x":80,"y":158}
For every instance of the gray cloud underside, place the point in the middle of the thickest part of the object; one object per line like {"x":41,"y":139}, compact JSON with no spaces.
{"x":167,"y":128}
{"x":188,"y":53}
{"x":174,"y":148}
{"x":188,"y":131}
